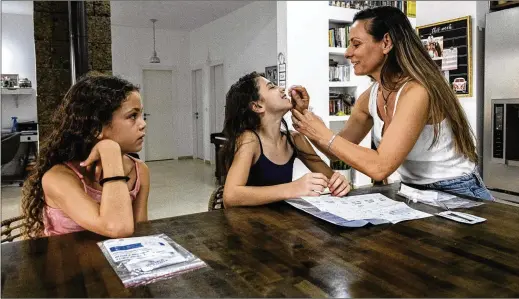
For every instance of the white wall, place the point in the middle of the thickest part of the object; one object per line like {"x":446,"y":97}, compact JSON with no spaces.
{"x":244,"y":41}
{"x":18,"y":57}
{"x":131,"y":50}
{"x":428,"y":12}
{"x":302,"y":38}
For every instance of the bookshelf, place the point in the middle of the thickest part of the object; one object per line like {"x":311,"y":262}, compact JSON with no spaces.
{"x":335,"y":118}
{"x":336,"y":51}
{"x":343,"y":84}
{"x":353,"y":86}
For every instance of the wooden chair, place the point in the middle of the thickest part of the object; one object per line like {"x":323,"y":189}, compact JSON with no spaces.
{"x":8,"y":226}
{"x":216,"y":199}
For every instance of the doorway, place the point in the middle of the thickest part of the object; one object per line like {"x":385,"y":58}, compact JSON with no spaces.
{"x":157,"y":98}
{"x":217,"y":106}
{"x":198,"y":114}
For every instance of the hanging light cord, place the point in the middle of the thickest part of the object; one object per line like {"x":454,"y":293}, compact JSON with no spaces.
{"x":154,"y":51}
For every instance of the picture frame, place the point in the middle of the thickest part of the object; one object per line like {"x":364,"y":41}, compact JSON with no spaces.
{"x":271,"y":73}
{"x":500,"y":5}
{"x":10,"y":80}
{"x":449,"y":44}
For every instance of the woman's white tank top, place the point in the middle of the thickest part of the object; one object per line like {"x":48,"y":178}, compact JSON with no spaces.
{"x":423,"y":165}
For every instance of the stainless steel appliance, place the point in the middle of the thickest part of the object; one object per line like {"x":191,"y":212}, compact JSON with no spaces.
{"x":501,"y":113}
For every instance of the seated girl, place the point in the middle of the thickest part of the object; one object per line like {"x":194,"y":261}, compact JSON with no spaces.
{"x":84,"y":178}
{"x":259,"y":156}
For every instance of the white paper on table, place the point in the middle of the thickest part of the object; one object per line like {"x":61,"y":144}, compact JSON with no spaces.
{"x":428,"y":197}
{"x":368,"y":206}
{"x":138,"y":248}
{"x":415,"y":195}
{"x":153,"y":261}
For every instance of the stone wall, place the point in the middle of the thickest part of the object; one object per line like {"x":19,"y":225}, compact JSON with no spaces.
{"x":52,"y":43}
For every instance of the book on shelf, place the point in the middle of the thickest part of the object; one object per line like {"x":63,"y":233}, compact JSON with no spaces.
{"x":339,"y":108}
{"x":338,"y":37}
{"x":408,"y":7}
{"x":340,"y":103}
{"x":345,"y":4}
{"x":339,"y":73}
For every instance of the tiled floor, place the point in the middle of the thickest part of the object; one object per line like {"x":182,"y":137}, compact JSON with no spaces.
{"x":178,"y":187}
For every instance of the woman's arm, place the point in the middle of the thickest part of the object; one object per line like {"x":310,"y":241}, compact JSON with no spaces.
{"x":140,"y":206}
{"x":356,"y":127}
{"x":360,"y":122}
{"x":114,"y":216}
{"x":399,"y":139}
{"x":236,"y":193}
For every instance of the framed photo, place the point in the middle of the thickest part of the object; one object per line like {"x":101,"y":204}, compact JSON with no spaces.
{"x":282,"y":83}
{"x":9,"y":80}
{"x":499,"y":5}
{"x":282,"y":76}
{"x":271,"y":73}
{"x":449,"y":44}
{"x":282,"y":67}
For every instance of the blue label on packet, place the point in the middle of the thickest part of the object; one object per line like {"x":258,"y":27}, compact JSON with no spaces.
{"x":126,"y":247}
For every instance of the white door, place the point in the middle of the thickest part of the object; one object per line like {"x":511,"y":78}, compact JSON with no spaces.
{"x":157,"y":98}
{"x":217,"y":101}
{"x":198,"y":113}
{"x":219,"y":98}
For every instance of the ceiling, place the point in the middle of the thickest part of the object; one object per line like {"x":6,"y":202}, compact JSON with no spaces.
{"x":173,"y":15}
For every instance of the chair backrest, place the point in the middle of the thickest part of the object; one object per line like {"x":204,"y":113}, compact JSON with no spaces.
{"x":9,"y":225}
{"x":10,"y":145}
{"x":216,"y":199}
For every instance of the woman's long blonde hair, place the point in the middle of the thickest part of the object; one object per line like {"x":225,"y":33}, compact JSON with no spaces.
{"x":409,"y":59}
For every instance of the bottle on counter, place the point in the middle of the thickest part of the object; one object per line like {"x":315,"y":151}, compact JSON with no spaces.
{"x":14,"y":124}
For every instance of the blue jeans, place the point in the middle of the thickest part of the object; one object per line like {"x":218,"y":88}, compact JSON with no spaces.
{"x":470,"y":184}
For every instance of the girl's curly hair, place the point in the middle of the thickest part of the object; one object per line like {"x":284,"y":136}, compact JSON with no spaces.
{"x":87,"y":107}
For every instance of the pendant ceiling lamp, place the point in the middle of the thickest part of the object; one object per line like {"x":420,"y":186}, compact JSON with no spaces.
{"x":154,"y":58}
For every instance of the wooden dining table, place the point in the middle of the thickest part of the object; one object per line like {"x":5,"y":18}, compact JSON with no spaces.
{"x":280,"y":251}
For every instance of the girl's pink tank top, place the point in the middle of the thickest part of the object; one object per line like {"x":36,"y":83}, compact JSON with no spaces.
{"x":58,"y":223}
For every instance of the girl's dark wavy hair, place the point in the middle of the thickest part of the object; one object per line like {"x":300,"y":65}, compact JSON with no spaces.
{"x":86,"y":108}
{"x":239,"y":117}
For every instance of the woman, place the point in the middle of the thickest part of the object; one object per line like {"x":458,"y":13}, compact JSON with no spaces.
{"x":426,"y":136}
